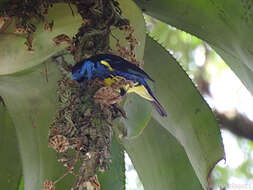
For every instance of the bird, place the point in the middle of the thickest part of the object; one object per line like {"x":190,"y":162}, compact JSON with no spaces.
{"x":107,"y":67}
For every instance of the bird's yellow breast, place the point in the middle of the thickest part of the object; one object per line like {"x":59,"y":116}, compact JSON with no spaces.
{"x":109,"y":81}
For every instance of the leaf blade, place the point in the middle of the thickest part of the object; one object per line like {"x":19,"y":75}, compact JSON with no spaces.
{"x":225,"y":25}
{"x":14,"y":55}
{"x":31,"y":101}
{"x":189,"y":119}
{"x":114,"y":178}
{"x":10,"y":167}
{"x":160,"y":160}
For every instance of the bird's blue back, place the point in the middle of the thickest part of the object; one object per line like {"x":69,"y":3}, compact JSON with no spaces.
{"x":120,"y":64}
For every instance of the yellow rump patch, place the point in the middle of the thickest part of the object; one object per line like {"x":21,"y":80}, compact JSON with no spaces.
{"x":141,"y":91}
{"x":138,"y":89}
{"x":107,"y":65}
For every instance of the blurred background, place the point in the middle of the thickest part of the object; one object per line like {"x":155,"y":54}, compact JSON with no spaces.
{"x":226,"y":95}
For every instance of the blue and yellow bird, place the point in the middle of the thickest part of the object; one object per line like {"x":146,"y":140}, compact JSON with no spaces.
{"x":107,"y":66}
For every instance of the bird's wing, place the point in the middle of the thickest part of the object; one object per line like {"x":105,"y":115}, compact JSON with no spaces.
{"x":120,"y":64}
{"x":156,"y":104}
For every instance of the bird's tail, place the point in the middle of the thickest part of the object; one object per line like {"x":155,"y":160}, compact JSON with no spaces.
{"x":159,"y":108}
{"x":155,"y":103}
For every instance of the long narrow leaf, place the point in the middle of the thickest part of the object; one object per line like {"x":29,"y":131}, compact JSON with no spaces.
{"x":189,"y":119}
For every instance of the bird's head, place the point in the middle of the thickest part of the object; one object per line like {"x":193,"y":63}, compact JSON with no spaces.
{"x":77,"y":72}
{"x":82,"y":70}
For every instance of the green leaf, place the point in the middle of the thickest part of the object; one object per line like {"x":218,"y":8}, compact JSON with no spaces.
{"x":225,"y":25}
{"x":189,"y":119}
{"x":138,"y":112}
{"x":241,"y":70}
{"x":160,"y":160}
{"x":218,"y":23}
{"x":10,"y":167}
{"x":21,"y":184}
{"x":114,"y":178}
{"x":31,"y":100}
{"x":180,"y":43}
{"x":14,"y":55}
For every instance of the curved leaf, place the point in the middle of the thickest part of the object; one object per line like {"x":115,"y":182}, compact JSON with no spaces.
{"x":14,"y":56}
{"x":160,"y":160}
{"x":225,"y":25}
{"x":244,"y":73}
{"x":189,"y":119}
